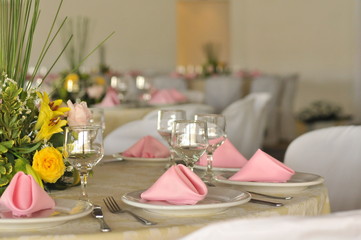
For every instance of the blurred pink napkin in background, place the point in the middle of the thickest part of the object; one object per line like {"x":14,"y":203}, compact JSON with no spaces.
{"x":167,"y":96}
{"x":24,"y":196}
{"x":178,"y":185}
{"x":147,"y":147}
{"x":111,"y":98}
{"x":263,"y":168}
{"x":225,"y":156}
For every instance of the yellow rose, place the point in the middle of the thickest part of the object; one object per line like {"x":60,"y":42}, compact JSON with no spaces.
{"x":49,"y":164}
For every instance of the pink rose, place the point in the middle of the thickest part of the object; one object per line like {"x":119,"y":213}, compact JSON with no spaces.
{"x":79,"y":114}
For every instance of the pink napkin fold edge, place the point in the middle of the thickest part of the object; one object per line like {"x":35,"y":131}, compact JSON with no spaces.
{"x":5,"y":202}
{"x":193,"y":184}
{"x":132,"y":151}
{"x":287,"y":171}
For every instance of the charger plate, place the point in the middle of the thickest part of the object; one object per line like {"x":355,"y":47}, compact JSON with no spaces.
{"x":64,"y":211}
{"x":217,"y":200}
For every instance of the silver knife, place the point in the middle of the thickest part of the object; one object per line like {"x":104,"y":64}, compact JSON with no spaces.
{"x":98,"y":214}
{"x":274,"y":204}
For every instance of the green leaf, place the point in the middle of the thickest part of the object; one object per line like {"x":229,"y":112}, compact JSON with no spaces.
{"x":4,"y":181}
{"x":20,"y":165}
{"x":2,"y":170}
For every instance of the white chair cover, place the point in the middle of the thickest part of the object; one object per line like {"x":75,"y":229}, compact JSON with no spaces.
{"x":221,"y":91}
{"x":190,"y":108}
{"x":272,"y":85}
{"x":336,"y":226}
{"x":246,"y":122}
{"x":335,"y":154}
{"x":165,"y":82}
{"x":126,"y":135}
{"x":287,"y":117}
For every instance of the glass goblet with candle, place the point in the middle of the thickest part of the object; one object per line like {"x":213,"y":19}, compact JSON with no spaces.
{"x":189,"y":140}
{"x":216,"y":126}
{"x":83,"y":148}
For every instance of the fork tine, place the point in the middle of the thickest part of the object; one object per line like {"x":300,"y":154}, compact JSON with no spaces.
{"x":107,"y":205}
{"x":115,"y":204}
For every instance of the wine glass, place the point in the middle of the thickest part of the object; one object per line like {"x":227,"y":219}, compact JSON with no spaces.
{"x":165,"y":126}
{"x":83,"y":148}
{"x":121,"y":85}
{"x":97,"y":117}
{"x":189,"y":140}
{"x":143,"y":85}
{"x":216,"y":125}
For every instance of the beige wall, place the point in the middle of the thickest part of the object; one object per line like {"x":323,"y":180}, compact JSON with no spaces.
{"x":315,"y":38}
{"x":144,"y":37}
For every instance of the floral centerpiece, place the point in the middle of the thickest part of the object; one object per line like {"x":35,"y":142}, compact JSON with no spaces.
{"x":320,"y":111}
{"x":31,"y":124}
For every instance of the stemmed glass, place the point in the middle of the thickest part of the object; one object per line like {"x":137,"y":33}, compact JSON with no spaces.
{"x":83,"y":148}
{"x":216,"y":125}
{"x":121,"y":85}
{"x":189,"y":140}
{"x":143,"y":85}
{"x":165,"y":126}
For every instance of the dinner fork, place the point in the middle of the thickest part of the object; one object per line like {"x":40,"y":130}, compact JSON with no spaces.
{"x":113,"y":207}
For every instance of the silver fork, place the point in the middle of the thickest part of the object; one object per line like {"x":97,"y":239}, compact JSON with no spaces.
{"x":113,"y":207}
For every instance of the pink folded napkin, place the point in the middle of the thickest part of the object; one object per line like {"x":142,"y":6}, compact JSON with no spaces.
{"x":167,"y":96}
{"x":178,"y":185}
{"x":225,"y":156}
{"x":24,"y":196}
{"x":147,"y":147}
{"x":111,"y":98}
{"x":263,"y":168}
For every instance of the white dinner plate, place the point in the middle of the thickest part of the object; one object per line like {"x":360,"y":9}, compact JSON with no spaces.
{"x":298,"y":182}
{"x":217,"y":169}
{"x":120,"y":156}
{"x":217,"y":200}
{"x":65,"y":210}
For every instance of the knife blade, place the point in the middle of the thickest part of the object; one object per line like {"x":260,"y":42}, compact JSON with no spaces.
{"x":274,"y":204}
{"x":98,"y":214}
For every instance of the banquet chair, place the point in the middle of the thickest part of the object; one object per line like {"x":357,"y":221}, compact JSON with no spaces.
{"x":287,"y":119}
{"x":221,"y":91}
{"x":246,"y":121}
{"x":167,"y":82}
{"x":271,"y":84}
{"x":194,"y":96}
{"x":341,"y":225}
{"x":335,"y":154}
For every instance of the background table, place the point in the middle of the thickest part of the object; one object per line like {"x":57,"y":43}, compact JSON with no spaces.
{"x":118,"y":178}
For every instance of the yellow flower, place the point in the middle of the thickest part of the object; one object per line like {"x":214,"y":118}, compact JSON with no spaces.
{"x":49,"y":128}
{"x":49,"y":121}
{"x":49,"y":164}
{"x":99,"y":80}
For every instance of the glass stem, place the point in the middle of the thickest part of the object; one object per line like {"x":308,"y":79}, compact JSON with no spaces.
{"x":84,"y":182}
{"x":172,"y":157}
{"x":209,"y":175}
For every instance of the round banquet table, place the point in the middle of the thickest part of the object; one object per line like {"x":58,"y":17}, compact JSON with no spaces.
{"x":115,"y":178}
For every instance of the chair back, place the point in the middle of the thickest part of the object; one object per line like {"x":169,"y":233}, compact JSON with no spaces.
{"x":168,"y":82}
{"x":335,"y":154}
{"x":272,"y":85}
{"x":246,"y":122}
{"x":221,"y":91}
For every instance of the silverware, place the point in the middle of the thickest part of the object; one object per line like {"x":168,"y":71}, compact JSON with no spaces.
{"x":114,"y":208}
{"x":98,"y":214}
{"x":271,"y":196}
{"x":274,"y":204}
